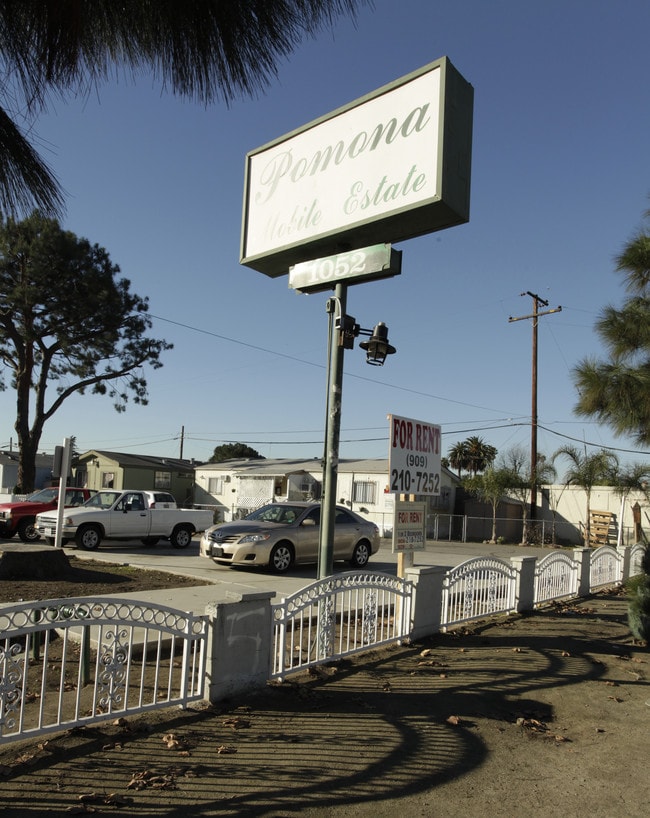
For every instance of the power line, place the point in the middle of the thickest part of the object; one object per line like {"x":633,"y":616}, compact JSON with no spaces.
{"x":463,"y":431}
{"x":596,"y":445}
{"x":363,"y":378}
{"x":322,"y":366}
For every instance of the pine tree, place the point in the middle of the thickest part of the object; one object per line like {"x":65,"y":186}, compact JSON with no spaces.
{"x":617,"y":391}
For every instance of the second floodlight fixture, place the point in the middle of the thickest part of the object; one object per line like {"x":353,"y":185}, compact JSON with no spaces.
{"x":377,"y":348}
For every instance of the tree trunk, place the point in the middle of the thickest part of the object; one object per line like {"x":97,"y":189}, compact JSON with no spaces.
{"x":26,"y":462}
{"x":27,"y":442}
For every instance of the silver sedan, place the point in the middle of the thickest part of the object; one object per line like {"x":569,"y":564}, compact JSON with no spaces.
{"x":280,"y":535}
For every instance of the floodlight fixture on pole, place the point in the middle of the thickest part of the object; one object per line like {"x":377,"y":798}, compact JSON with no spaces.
{"x":377,"y":348}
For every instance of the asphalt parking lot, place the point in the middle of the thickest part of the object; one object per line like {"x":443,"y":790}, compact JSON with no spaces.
{"x":228,"y":579}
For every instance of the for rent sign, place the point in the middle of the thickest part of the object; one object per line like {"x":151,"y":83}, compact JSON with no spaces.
{"x":414,"y":456}
{"x":409,"y":526}
{"x":390,"y":166}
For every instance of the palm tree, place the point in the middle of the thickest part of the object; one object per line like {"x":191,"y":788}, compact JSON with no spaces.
{"x":634,"y":477}
{"x":516,"y":462}
{"x":480,"y":454}
{"x":586,"y":471}
{"x":209,"y":51}
{"x":490,"y":487}
{"x":473,"y":455}
{"x":458,"y":457}
{"x":617,"y":391}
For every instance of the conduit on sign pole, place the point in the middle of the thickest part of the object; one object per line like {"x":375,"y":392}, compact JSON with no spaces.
{"x":62,"y":465}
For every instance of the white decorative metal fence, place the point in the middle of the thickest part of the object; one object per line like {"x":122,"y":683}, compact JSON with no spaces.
{"x":339,"y":615}
{"x":556,"y":576}
{"x":76,"y":661}
{"x":479,"y":587}
{"x":637,"y":554}
{"x":606,"y":566}
{"x":69,"y":662}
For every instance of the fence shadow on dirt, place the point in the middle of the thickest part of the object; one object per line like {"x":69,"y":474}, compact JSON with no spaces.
{"x":393,"y":723}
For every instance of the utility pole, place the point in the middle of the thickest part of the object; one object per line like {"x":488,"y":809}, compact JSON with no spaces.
{"x":537,"y":300}
{"x":182,"y":442}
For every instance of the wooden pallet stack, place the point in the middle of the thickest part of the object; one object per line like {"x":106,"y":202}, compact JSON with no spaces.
{"x":602,"y":528}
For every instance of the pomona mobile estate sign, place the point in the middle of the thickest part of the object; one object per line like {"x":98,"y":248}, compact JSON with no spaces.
{"x":414,"y":456}
{"x":389,"y":166}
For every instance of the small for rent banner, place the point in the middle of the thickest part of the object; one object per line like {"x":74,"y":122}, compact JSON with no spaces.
{"x":409,"y":526}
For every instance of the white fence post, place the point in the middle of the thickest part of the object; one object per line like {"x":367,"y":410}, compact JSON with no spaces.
{"x":426,"y":603}
{"x":239,"y":645}
{"x":626,"y":552}
{"x":525,"y":590}
{"x":583,"y":558}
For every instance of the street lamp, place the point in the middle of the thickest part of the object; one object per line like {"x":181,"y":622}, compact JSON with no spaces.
{"x":377,"y":348}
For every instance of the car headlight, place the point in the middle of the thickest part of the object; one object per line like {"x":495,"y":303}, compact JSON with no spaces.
{"x":264,"y":535}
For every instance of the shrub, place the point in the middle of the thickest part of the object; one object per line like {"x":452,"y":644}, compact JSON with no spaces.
{"x":638,"y":610}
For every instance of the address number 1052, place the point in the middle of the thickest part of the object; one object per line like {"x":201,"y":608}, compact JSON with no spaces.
{"x":323,"y":270}
{"x":377,"y":261}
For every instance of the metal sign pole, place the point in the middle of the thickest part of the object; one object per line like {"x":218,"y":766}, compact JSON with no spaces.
{"x":63,"y":482}
{"x":332,"y":436}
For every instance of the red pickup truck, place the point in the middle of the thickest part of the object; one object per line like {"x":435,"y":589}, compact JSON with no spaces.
{"x":20,"y":516}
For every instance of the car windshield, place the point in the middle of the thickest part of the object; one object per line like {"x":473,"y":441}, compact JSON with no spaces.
{"x":43,"y":496}
{"x":277,"y":513}
{"x":103,"y":499}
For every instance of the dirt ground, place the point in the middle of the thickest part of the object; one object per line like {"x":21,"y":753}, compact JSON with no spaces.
{"x":539,"y":715}
{"x":91,"y":578}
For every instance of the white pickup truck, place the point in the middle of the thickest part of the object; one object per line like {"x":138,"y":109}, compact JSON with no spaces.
{"x":126,"y":515}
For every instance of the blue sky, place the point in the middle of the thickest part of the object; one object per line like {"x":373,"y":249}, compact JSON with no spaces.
{"x":560,"y":181}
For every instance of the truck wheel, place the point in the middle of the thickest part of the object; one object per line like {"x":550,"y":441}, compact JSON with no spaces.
{"x":88,"y":537}
{"x":181,"y":536}
{"x":27,"y":532}
{"x":150,"y":541}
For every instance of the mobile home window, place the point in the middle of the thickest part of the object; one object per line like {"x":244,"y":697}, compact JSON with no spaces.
{"x":215,"y":485}
{"x":162,"y":480}
{"x":364,"y":492}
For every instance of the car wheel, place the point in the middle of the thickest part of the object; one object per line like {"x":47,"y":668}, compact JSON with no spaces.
{"x":27,"y":532}
{"x":361,"y":554}
{"x":181,"y":536}
{"x":88,"y":537}
{"x":150,"y":541}
{"x":281,"y":558}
